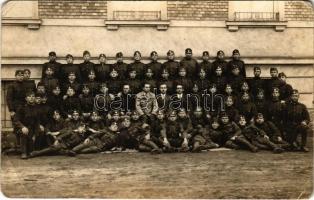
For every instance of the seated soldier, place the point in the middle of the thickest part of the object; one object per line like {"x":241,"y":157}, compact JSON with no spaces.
{"x":54,"y":100}
{"x":86,"y":102}
{"x":50,"y":81}
{"x":149,"y":78}
{"x":114,"y":83}
{"x":285,"y":88}
{"x":174,"y":137}
{"x":146,"y":144}
{"x":270,"y":130}
{"x":246,"y":107}
{"x":55,"y":125}
{"x":92,"y":84}
{"x":171,"y":65}
{"x":261,"y":103}
{"x":213,"y":133}
{"x":133,"y":80}
{"x":235,"y":78}
{"x":183,"y":80}
{"x":70,"y":102}
{"x":219,"y":79}
{"x":256,"y":82}
{"x":71,"y":82}
{"x":230,"y":109}
{"x":102,"y":100}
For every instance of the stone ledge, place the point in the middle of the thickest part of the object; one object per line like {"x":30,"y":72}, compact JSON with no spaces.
{"x":115,"y":24}
{"x":234,"y":26}
{"x":32,"y":24}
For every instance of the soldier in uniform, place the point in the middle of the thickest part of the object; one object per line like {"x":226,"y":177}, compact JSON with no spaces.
{"x":179,"y":99}
{"x":134,"y":81}
{"x":205,"y":65}
{"x":86,"y":102}
{"x":184,"y":80}
{"x":49,"y":80}
{"x":165,"y":80}
{"x":137,"y":65}
{"x":127,"y":98}
{"x":146,"y":104}
{"x":274,"y":82}
{"x":26,"y":122}
{"x":53,"y":64}
{"x":219,"y":79}
{"x":70,"y":103}
{"x":69,"y":67}
{"x":92,"y":84}
{"x":114,"y":83}
{"x":238,"y":62}
{"x":73,"y":83}
{"x":285,"y":89}
{"x":154,"y":65}
{"x":29,"y":84}
{"x":55,"y":125}
{"x":55,"y":99}
{"x":149,"y":78}
{"x":230,"y":109}
{"x":171,"y":65}
{"x":296,"y":122}
{"x":235,"y":79}
{"x":86,"y":66}
{"x":202,"y":82}
{"x":120,"y":66}
{"x":275,"y":110}
{"x":102,"y":69}
{"x":220,"y":62}
{"x":246,"y":107}
{"x":261,"y":103}
{"x":189,"y":63}
{"x":256,"y":82}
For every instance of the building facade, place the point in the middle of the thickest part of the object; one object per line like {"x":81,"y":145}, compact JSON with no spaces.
{"x":267,"y":33}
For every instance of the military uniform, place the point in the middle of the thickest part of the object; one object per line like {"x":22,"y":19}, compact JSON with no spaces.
{"x":255,"y":84}
{"x":102,"y":71}
{"x":206,"y":66}
{"x":238,"y":63}
{"x":275,"y":112}
{"x":54,"y":65}
{"x":221,"y":63}
{"x":220,"y":82}
{"x":248,"y":109}
{"x":55,"y":101}
{"x":72,"y":84}
{"x":190,"y":64}
{"x":171,"y":66}
{"x":138,"y":66}
{"x":50,"y":83}
{"x":85,"y":68}
{"x":86,"y":104}
{"x":70,"y":104}
{"x":66,"y":69}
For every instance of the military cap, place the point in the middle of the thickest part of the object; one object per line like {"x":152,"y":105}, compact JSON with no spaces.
{"x":19,"y":72}
{"x":273,"y":69}
{"x":188,"y":51}
{"x":85,"y":86}
{"x":172,"y":113}
{"x":102,"y":55}
{"x":75,"y":111}
{"x":86,"y":52}
{"x":68,"y":56}
{"x":281,"y":74}
{"x":115,"y":112}
{"x":205,"y":53}
{"x":182,"y":110}
{"x":295,"y":91}
{"x":137,"y":52}
{"x":170,"y":52}
{"x":223,"y":114}
{"x":258,"y":115}
{"x":256,"y":68}
{"x":52,"y":53}
{"x":275,"y":89}
{"x":153,"y":53}
{"x":235,"y":51}
{"x":27,"y":70}
{"x":29,"y":93}
{"x":220,"y":52}
{"x":119,"y":55}
{"x":160,"y":111}
{"x":71,"y":72}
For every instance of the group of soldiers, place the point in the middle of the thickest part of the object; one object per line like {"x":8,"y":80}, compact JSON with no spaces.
{"x":155,"y":107}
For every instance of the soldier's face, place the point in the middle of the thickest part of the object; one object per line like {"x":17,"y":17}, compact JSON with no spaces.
{"x":132,"y":74}
{"x":56,"y":91}
{"x":49,"y":72}
{"x":154,"y":57}
{"x":126,"y":123}
{"x":179,"y":89}
{"x":41,"y":89}
{"x":205,"y":58}
{"x":116,"y":117}
{"x":202,"y":74}
{"x":242,"y":121}
{"x":274,"y":73}
{"x":195,"y":89}
{"x":149,"y":74}
{"x":160,"y":116}
{"x":76,"y":116}
{"x":104,"y":89}
{"x":146,"y":88}
{"x":257,"y":73}
{"x":221,"y":56}
{"x":188,"y":55}
{"x":170,"y":56}
{"x":213,"y":89}
{"x":70,"y":92}
{"x":215,"y":125}
{"x":245,"y":97}
{"x":30,"y":99}
{"x":137,"y":57}
{"x":52,"y":58}
{"x":126,"y":89}
{"x":165,"y":75}
{"x":259,"y":120}
{"x":56,"y":116}
{"x":236,"y":56}
{"x":245,"y":87}
{"x":236,"y":71}
{"x":72,"y":77}
{"x":94,"y":117}
{"x":85,"y":90}
{"x":19,"y":77}
{"x":260,"y":95}
{"x":91,"y":76}
{"x":135,"y":117}
{"x":37,"y":100}
{"x":163,"y":89}
{"x":228,"y":89}
{"x":295,"y":97}
{"x":27,"y":75}
{"x":114,"y":74}
{"x":173,"y":118}
{"x":102,"y":59}
{"x":86,"y":57}
{"x":182,"y":114}
{"x":43,"y":100}
{"x":225,"y":120}
{"x":69,"y":60}
{"x":182,"y":73}
{"x":229,"y":102}
{"x":218,"y":71}
{"x":275,"y":93}
{"x":114,"y":127}
{"x":282,"y":78}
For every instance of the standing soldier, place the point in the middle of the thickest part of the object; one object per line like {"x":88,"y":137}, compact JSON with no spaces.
{"x":165,"y":80}
{"x":297,"y":121}
{"x":137,"y":65}
{"x":238,"y":62}
{"x":246,"y":107}
{"x":171,"y":65}
{"x":205,"y":65}
{"x":53,"y":64}
{"x":16,"y":99}
{"x":146,"y":104}
{"x":69,"y":67}
{"x":86,"y":66}
{"x":184,"y":80}
{"x":285,"y":89}
{"x":275,"y":110}
{"x":235,"y":79}
{"x":120,"y":66}
{"x":154,"y":65}
{"x":189,"y":63}
{"x":274,"y":82}
{"x":102,"y":69}
{"x":220,"y":61}
{"x":29,"y":84}
{"x":202,"y":82}
{"x":256,"y":82}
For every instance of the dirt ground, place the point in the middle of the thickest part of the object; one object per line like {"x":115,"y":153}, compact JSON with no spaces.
{"x":216,"y":174}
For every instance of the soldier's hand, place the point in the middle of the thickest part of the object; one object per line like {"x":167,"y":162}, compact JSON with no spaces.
{"x":147,"y":137}
{"x":65,"y":96}
{"x":12,"y":113}
{"x":304,"y":123}
{"x":25,"y":130}
{"x":233,"y":138}
{"x":185,"y":142}
{"x":165,"y":142}
{"x":266,"y":137}
{"x":41,"y":128}
{"x":56,"y":142}
{"x":279,"y":139}
{"x":87,"y":141}
{"x":282,"y":101}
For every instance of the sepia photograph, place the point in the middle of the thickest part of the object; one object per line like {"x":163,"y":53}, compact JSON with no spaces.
{"x":189,"y":99}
